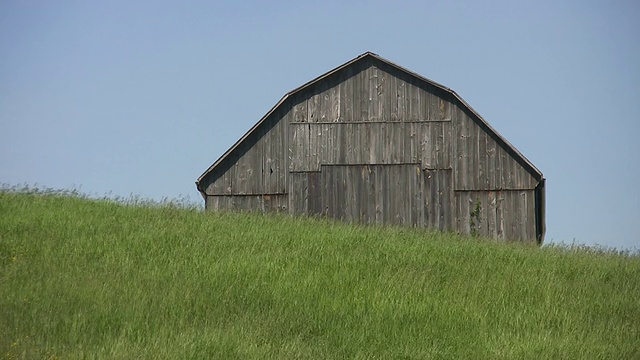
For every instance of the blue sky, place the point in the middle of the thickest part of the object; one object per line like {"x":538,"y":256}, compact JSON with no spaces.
{"x":140,"y":97}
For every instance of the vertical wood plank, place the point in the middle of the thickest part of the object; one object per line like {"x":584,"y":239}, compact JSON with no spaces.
{"x":472,"y":155}
{"x":486,"y":213}
{"x":364,"y":147}
{"x":447,"y":145}
{"x":483,"y":183}
{"x":300,"y":110}
{"x":215,"y":187}
{"x":325,"y":106}
{"x":287,"y":151}
{"x":444,"y":109}
{"x":370,"y":193}
{"x":400,"y":135}
{"x":346,"y":96}
{"x":348,"y":143}
{"x":277,"y":156}
{"x":463,"y":152}
{"x":228,"y":177}
{"x":334,"y":144}
{"x":491,"y":214}
{"x":315,"y":137}
{"x":335,"y":104}
{"x":500,"y":183}
{"x":412,"y":146}
{"x":342,"y":146}
{"x":438,"y":214}
{"x":440,"y":154}
{"x":413,"y":102}
{"x":314,"y":107}
{"x":507,"y":181}
{"x":266,"y":163}
{"x":500,"y":228}
{"x":434,"y":107}
{"x":514,"y":215}
{"x":425,"y":146}
{"x":314,"y":193}
{"x":385,"y":142}
{"x":531,"y":218}
{"x":383,"y":96}
{"x":362,"y":95}
{"x":374,"y":131}
{"x":373,"y":94}
{"x":300,"y":156}
{"x":401,"y":100}
{"x":357,"y":95}
{"x":293,"y":148}
{"x":448,"y":202}
{"x":395,"y":89}
{"x":425,"y":99}
{"x":491,"y":164}
{"x":357,"y":201}
{"x":463,"y":212}
{"x":379,"y":194}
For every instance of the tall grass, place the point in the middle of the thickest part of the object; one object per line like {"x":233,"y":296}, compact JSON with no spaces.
{"x":82,"y":278}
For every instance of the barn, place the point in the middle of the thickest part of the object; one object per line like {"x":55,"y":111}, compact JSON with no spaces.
{"x":372,"y":142}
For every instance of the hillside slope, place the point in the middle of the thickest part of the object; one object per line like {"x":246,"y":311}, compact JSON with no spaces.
{"x":98,"y":279}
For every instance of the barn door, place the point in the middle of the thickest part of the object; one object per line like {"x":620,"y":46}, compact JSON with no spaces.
{"x":380,"y":194}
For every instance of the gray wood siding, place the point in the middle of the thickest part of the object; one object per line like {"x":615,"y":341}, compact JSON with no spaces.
{"x":482,"y":163}
{"x":304,"y":195}
{"x":248,"y":203}
{"x":260,"y":165}
{"x":362,"y":193}
{"x":315,"y":144}
{"x":399,"y":194}
{"x":437,"y":197}
{"x":372,"y":93}
{"x":505,"y":215}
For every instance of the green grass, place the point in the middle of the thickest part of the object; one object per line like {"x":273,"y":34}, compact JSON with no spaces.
{"x":99,"y":279}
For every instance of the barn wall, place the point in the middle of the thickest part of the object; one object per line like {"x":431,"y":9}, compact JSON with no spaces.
{"x":399,"y":194}
{"x":486,"y":174}
{"x":505,"y":215}
{"x":361,"y":193}
{"x":314,"y":144}
{"x":260,"y":203}
{"x":259,"y":164}
{"x":483,"y":163}
{"x":371,"y":91}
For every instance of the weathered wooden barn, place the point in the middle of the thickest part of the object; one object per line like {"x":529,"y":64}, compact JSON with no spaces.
{"x":372,"y":142}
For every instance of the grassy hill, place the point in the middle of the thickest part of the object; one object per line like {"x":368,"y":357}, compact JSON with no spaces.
{"x":99,"y":279}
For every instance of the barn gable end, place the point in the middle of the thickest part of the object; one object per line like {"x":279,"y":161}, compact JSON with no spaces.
{"x":372,"y":142}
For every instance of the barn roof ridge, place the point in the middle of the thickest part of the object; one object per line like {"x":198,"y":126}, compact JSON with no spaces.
{"x":343,"y":66}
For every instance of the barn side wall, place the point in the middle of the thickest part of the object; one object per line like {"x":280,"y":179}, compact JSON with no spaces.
{"x":494,"y":194}
{"x":260,"y":203}
{"x":258,"y":167}
{"x":398,"y":194}
{"x":500,"y":214}
{"x":482,"y":162}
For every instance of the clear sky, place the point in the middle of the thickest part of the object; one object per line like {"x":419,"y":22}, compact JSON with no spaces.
{"x":140,"y":97}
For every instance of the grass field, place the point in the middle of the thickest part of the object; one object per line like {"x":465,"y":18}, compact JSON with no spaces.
{"x":99,"y":279}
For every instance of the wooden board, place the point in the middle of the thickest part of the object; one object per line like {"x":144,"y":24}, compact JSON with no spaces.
{"x":503,"y":215}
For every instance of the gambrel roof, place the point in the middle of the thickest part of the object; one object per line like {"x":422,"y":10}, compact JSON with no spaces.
{"x":369,"y":56}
